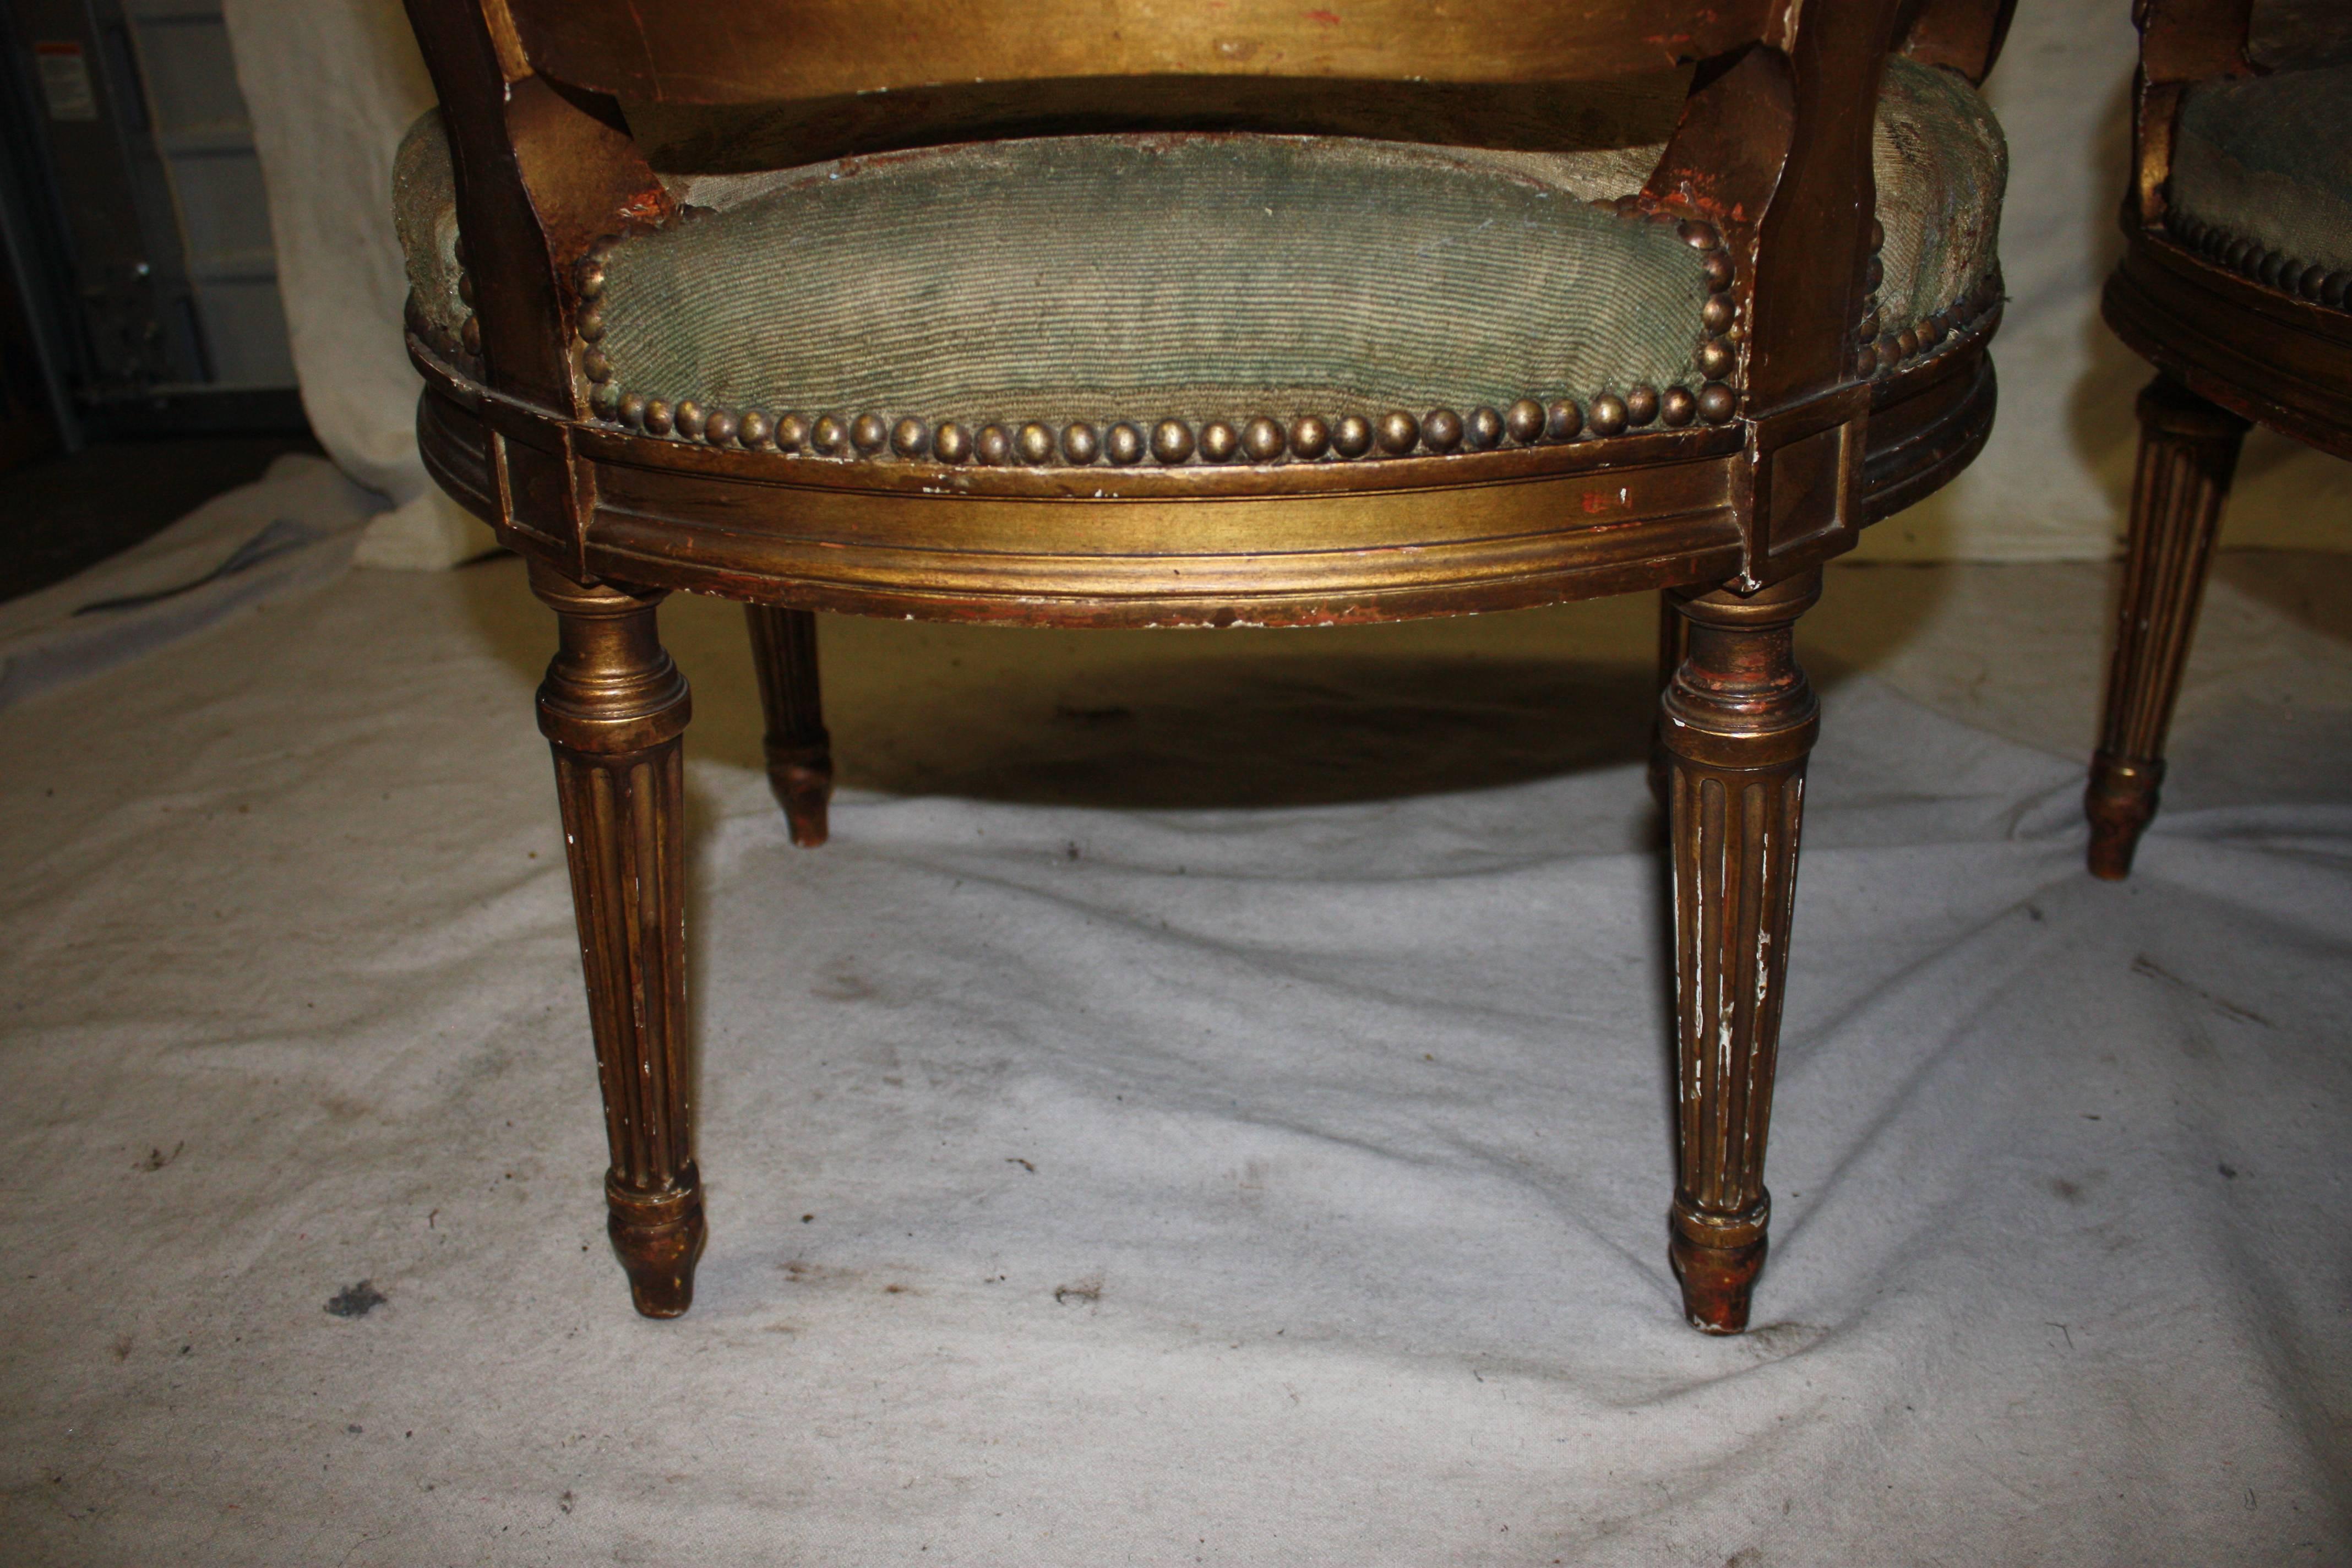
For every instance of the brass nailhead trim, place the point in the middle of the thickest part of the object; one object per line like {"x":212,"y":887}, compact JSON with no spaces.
{"x":1261,"y":439}
{"x":1883,"y":353}
{"x":2269,"y":268}
{"x":460,"y":345}
{"x":1699,"y":235}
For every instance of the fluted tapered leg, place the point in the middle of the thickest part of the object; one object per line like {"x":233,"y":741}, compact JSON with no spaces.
{"x":2188,"y":451}
{"x":1737,"y":723}
{"x":800,"y":753}
{"x":614,"y":708}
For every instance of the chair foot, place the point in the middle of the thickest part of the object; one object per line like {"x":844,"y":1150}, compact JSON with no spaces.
{"x":1717,"y":1282}
{"x":801,"y":780}
{"x":659,"y":1239}
{"x":2120,"y":802}
{"x":800,"y":752}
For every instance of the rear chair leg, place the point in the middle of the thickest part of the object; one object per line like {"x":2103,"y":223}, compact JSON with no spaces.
{"x":2188,"y":451}
{"x":800,"y":753}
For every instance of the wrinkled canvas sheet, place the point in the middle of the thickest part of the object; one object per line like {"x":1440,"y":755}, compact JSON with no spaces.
{"x":289,"y":530}
{"x":1208,"y":1103}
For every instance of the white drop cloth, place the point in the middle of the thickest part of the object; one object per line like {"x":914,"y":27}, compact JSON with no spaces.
{"x":288,"y":531}
{"x":1269,"y":1171}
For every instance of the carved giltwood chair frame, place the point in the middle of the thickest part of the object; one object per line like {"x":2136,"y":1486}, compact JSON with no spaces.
{"x":1816,"y":419}
{"x":2241,"y":331}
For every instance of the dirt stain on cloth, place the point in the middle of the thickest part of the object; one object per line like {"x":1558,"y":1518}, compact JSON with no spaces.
{"x":356,"y":1301}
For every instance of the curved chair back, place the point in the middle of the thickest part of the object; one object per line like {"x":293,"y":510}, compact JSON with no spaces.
{"x":2182,"y":43}
{"x":821,"y":48}
{"x":1772,"y":144}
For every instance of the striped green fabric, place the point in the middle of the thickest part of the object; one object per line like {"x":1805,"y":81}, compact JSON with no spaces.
{"x":424,"y":213}
{"x":1941,"y":166}
{"x":1141,"y":276}
{"x":2270,"y":158}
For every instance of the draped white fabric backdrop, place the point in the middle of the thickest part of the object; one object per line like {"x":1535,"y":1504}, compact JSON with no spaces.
{"x":332,"y":84}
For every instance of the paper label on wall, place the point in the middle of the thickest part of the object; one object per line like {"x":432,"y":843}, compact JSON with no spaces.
{"x":65,"y":80}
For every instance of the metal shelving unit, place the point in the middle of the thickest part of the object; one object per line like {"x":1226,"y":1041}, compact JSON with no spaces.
{"x":136,"y":220}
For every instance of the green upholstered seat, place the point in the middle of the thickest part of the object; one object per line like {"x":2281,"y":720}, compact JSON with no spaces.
{"x":2262,"y":178}
{"x":1203,"y":278}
